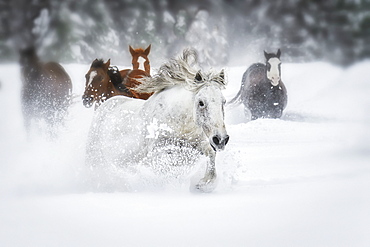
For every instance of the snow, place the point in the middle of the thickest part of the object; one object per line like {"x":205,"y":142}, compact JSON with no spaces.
{"x":302,"y":180}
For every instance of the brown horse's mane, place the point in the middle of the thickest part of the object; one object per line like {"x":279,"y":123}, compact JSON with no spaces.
{"x":116,"y":79}
{"x":139,"y":50}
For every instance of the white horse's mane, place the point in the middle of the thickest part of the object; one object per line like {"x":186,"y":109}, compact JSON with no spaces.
{"x":180,"y":71}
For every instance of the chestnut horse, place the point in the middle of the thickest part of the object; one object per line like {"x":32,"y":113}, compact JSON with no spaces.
{"x":46,"y":90}
{"x":104,"y":81}
{"x":140,"y":58}
{"x":140,"y":68}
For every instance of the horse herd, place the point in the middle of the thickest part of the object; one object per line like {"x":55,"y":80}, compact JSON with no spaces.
{"x":137,"y":114}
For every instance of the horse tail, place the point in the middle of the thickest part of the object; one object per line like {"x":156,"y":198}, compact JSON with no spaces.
{"x":237,"y":99}
{"x":247,"y":79}
{"x":116,"y":79}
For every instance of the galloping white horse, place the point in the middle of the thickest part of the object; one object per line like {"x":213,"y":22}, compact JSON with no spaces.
{"x":185,"y":111}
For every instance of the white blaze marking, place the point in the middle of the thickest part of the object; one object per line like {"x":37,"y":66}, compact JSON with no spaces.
{"x":92,"y":76}
{"x":273,"y":75}
{"x":141,"y":61}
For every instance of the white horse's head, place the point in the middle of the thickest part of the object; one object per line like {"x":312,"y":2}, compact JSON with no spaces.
{"x":209,"y":110}
{"x":208,"y":105}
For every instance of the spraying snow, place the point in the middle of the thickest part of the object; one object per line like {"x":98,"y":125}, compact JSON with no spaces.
{"x":301,"y":180}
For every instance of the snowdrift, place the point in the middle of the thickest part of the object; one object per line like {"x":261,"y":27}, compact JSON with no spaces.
{"x":302,"y":180}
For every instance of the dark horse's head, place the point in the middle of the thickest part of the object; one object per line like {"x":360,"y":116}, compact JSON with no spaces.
{"x":28,"y":56}
{"x":96,"y":80}
{"x":273,"y":70}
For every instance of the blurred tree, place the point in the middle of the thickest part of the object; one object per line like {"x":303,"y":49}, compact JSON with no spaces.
{"x":221,"y":30}
{"x":17,"y":18}
{"x":80,"y":32}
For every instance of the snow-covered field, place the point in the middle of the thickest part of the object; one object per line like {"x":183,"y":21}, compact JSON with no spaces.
{"x":303,"y":180}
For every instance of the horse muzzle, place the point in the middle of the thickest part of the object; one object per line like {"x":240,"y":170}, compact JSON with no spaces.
{"x":218,"y":143}
{"x":87,"y":101}
{"x":275,"y":81}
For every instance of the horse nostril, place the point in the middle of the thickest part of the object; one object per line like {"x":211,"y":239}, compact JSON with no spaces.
{"x":87,"y":101}
{"x":216,"y":140}
{"x":226,"y":139}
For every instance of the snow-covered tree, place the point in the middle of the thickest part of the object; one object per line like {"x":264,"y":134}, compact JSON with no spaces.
{"x":207,"y":36}
{"x":221,"y":30}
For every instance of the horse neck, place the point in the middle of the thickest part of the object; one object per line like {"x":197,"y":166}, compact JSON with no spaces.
{"x":108,"y":88}
{"x":174,"y":107}
{"x":258,"y":74}
{"x":102,"y":93}
{"x":32,"y":71}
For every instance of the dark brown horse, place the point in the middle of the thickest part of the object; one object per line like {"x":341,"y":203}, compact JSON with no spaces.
{"x":262,"y":92}
{"x":104,"y":81}
{"x":46,"y":91}
{"x":99,"y":86}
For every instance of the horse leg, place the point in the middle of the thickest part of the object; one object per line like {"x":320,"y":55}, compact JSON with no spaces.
{"x":248,"y":113}
{"x":253,"y":114}
{"x":257,"y":111}
{"x":207,"y":183}
{"x":275,"y":112}
{"x":279,"y":112}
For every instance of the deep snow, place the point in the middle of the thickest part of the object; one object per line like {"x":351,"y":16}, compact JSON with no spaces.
{"x":302,"y":180}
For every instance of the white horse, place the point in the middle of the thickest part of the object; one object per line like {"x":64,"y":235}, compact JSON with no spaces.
{"x":185,"y":112}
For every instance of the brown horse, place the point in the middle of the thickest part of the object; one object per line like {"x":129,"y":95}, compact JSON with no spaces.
{"x":99,"y":86}
{"x":104,"y":81}
{"x":141,"y":68}
{"x":137,"y":55}
{"x":46,"y":90}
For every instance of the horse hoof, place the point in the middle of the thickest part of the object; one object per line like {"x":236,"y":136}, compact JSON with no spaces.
{"x":204,"y":186}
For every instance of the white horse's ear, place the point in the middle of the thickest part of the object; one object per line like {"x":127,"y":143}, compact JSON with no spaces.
{"x":278,"y":54}
{"x":198,"y":77}
{"x":267,"y":56}
{"x":222,"y":76}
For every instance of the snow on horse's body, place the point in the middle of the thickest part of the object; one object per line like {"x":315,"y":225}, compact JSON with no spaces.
{"x":185,"y":112}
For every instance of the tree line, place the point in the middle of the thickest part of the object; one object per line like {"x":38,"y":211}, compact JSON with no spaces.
{"x":69,"y":31}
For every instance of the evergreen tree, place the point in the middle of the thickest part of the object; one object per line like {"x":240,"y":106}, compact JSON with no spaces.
{"x":221,"y":30}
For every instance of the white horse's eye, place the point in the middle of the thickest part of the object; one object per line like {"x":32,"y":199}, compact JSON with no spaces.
{"x":201,"y":103}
